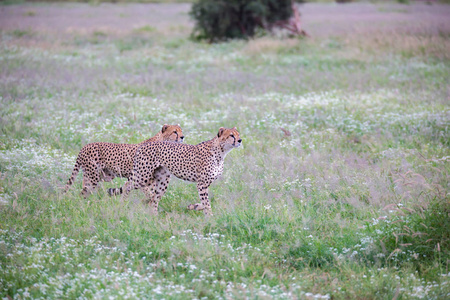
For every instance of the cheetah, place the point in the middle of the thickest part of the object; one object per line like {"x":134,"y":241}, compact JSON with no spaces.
{"x":202,"y":163}
{"x":105,"y":161}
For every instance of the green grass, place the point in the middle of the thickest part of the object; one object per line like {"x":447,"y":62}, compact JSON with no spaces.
{"x":340,"y":190}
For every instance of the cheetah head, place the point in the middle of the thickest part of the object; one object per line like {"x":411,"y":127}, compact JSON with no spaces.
{"x":172,"y":133}
{"x":229,"y":138}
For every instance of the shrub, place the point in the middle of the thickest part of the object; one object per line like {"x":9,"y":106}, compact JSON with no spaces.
{"x":226,"y":19}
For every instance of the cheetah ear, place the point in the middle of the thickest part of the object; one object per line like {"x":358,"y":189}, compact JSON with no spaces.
{"x":221,"y":130}
{"x":178,"y":125}
{"x":164,"y":128}
{"x":234,"y":128}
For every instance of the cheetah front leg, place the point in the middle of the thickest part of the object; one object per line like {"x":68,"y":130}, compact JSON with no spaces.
{"x":204,"y":201}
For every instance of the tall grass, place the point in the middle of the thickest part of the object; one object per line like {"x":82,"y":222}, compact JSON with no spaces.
{"x":340,"y":191}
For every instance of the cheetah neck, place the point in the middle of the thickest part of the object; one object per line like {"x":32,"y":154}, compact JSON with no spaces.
{"x":156,"y":138}
{"x":216,"y":149}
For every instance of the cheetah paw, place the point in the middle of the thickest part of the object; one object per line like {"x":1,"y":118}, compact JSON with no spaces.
{"x":196,"y":206}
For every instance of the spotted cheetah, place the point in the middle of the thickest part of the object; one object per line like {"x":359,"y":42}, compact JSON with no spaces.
{"x":202,"y":163}
{"x":105,"y":161}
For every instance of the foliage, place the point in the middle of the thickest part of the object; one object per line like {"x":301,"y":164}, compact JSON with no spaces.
{"x":220,"y":20}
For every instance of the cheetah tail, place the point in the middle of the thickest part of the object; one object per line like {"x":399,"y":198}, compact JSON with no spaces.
{"x":75,"y":171}
{"x":115,"y":191}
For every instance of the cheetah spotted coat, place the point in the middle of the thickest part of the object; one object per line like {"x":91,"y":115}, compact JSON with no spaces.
{"x":105,"y":161}
{"x":202,"y":163}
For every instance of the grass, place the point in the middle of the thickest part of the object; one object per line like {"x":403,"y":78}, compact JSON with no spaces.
{"x":340,"y":191}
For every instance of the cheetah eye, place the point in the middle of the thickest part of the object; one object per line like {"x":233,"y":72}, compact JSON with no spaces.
{"x":232,"y":135}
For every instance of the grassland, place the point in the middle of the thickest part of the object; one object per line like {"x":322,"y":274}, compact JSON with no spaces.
{"x":349,"y":201}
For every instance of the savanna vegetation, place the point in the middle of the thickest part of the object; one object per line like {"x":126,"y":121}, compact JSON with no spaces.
{"x":340,"y":191}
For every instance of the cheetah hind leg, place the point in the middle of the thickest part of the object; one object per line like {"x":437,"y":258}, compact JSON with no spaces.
{"x":149,"y":193}
{"x":75,"y":171}
{"x":107,"y":176}
{"x":89,"y":186}
{"x":158,"y":188}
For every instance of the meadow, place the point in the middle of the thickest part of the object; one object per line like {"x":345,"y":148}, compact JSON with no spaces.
{"x":340,"y":191}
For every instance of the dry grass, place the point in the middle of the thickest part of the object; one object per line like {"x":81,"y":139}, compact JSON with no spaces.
{"x":269,"y":45}
{"x":405,"y":44}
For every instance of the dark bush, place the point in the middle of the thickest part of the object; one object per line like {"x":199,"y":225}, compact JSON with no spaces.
{"x":218,"y":20}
